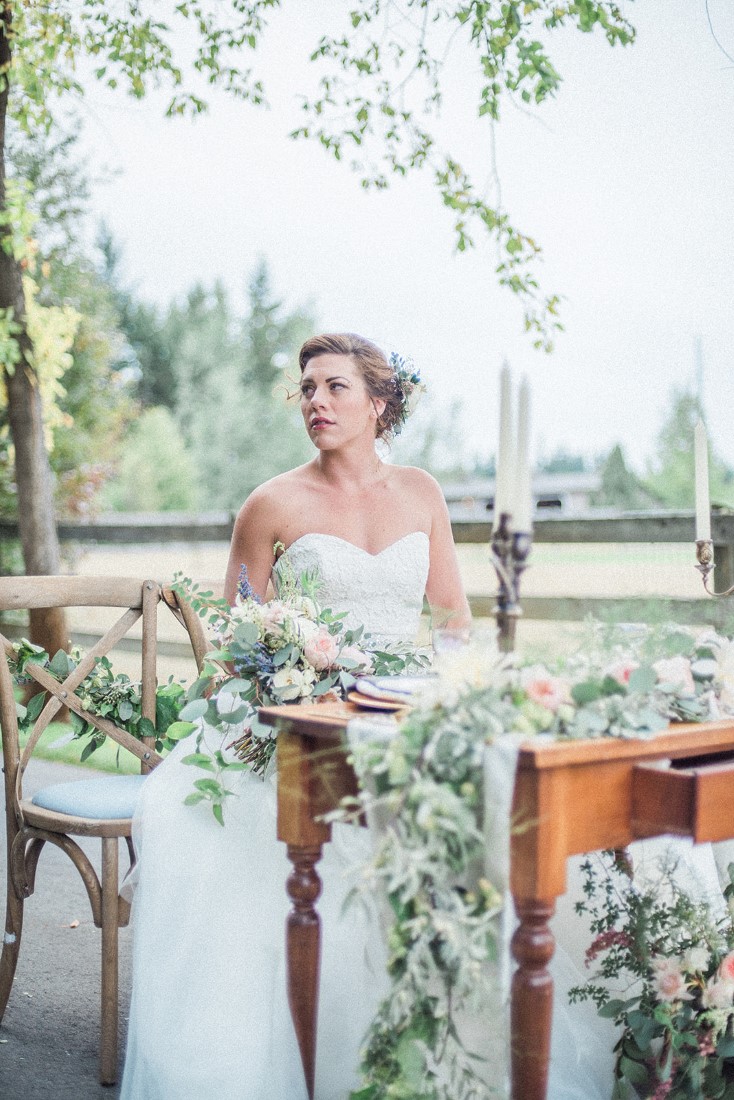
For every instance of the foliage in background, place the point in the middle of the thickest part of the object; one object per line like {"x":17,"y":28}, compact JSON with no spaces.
{"x":73,"y":326}
{"x":379,"y":103}
{"x":670,"y":473}
{"x":154,"y":471}
{"x":621,"y":487}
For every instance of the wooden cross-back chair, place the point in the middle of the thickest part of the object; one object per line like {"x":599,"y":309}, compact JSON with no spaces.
{"x":98,"y":807}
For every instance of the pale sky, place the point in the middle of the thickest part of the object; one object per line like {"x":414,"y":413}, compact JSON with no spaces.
{"x":626,"y":180}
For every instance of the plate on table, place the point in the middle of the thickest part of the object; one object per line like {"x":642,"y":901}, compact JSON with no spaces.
{"x":385,"y":705}
{"x":391,"y":689}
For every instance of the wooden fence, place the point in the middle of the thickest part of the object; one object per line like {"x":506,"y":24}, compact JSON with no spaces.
{"x":599,"y":528}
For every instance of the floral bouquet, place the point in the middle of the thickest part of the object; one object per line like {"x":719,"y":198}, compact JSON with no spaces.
{"x":288,"y":650}
{"x":674,"y":957}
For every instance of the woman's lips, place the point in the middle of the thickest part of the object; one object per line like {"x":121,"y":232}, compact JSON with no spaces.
{"x":320,"y":422}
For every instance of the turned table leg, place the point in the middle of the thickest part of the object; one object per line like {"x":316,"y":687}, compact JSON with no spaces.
{"x":303,"y":947}
{"x":532,"y":999}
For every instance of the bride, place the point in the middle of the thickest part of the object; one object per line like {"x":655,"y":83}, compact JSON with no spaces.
{"x":209,"y":1014}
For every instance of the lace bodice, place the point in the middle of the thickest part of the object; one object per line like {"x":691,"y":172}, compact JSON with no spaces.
{"x":382,"y":592}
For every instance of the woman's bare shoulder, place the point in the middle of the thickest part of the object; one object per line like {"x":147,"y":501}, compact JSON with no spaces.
{"x":273,"y":495}
{"x":415,"y":480}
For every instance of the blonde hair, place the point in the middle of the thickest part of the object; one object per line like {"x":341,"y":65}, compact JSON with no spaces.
{"x":379,"y":377}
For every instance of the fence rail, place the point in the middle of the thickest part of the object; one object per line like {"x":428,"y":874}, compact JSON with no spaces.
{"x":128,"y":529}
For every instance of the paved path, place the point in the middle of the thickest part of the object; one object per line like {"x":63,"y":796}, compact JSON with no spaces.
{"x":49,"y":1036}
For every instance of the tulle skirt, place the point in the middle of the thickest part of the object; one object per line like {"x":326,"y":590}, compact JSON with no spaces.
{"x":209,"y":1013}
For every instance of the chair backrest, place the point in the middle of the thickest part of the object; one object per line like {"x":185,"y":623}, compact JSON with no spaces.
{"x":140,"y":600}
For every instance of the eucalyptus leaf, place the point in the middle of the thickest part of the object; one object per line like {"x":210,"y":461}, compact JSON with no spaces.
{"x":231,"y":687}
{"x":60,"y":664}
{"x":642,"y":679}
{"x":125,"y":710}
{"x":146,"y":728}
{"x":199,"y":760}
{"x":197,"y":708}
{"x":179,"y":730}
{"x":246,"y":634}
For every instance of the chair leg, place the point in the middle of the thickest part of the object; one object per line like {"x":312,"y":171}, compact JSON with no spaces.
{"x":110,"y":887}
{"x":11,"y":945}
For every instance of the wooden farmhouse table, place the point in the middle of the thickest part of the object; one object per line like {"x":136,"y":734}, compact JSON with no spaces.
{"x":570,"y":798}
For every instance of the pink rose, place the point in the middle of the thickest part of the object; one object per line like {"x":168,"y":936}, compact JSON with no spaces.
{"x":622,"y":671}
{"x":668,"y":981}
{"x":353,"y":653}
{"x":322,"y":650}
{"x":717,"y":994}
{"x":676,"y":670}
{"x":547,"y":691}
{"x":726,"y":968}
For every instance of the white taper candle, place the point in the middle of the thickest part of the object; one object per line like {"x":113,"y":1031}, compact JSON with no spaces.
{"x":703,"y":506}
{"x":505,"y":451}
{"x":522,"y":498}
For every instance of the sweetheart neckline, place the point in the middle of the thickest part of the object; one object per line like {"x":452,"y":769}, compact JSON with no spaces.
{"x":361,"y":549}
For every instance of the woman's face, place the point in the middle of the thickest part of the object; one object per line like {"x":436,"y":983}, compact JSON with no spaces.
{"x":335,"y":402}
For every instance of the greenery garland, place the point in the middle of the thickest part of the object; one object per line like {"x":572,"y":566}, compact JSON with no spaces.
{"x":423,"y":780}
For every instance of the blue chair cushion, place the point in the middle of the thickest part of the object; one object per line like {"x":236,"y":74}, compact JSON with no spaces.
{"x":108,"y":797}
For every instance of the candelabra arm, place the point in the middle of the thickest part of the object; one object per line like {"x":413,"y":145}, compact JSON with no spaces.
{"x":705,"y":566}
{"x":509,"y":550}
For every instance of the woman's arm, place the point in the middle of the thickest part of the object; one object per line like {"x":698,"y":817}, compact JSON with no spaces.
{"x":252,"y":544}
{"x":444,"y":587}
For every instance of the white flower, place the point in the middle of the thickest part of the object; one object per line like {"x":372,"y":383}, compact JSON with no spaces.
{"x":676,"y":671}
{"x":696,"y":959}
{"x":668,"y":981}
{"x":293,"y":683}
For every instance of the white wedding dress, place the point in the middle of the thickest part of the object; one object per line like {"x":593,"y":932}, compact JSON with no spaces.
{"x":209,"y":1013}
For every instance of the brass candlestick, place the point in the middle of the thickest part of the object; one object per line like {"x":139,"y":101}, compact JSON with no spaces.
{"x":705,"y":566}
{"x":510,"y":550}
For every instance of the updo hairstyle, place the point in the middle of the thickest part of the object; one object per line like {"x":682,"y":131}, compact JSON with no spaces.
{"x":379,"y":377}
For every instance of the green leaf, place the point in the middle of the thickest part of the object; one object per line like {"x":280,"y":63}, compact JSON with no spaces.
{"x":89,"y":748}
{"x":179,"y":730}
{"x":218,"y":812}
{"x":615,"y":1008}
{"x":197,"y":708}
{"x":588,"y":691}
{"x":60,"y":664}
{"x":635,"y":1072}
{"x":246,"y":634}
{"x":193,"y":799}
{"x":125,"y":710}
{"x":642,"y":679}
{"x":199,"y":760}
{"x":146,"y":728}
{"x":35,"y":705}
{"x":229,"y":687}
{"x":282,"y":656}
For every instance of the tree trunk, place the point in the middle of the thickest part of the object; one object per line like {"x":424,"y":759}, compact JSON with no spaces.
{"x":33,"y":476}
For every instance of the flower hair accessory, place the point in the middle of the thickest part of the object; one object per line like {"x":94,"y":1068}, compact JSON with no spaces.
{"x":408,"y":385}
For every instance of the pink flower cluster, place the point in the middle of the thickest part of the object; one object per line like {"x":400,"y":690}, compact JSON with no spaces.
{"x":547,"y":691}
{"x":604,"y":941}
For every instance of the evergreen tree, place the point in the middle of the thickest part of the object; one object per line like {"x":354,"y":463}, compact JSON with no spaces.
{"x":671,"y":474}
{"x":620,"y":486}
{"x":270,"y":339}
{"x":146,"y":353}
